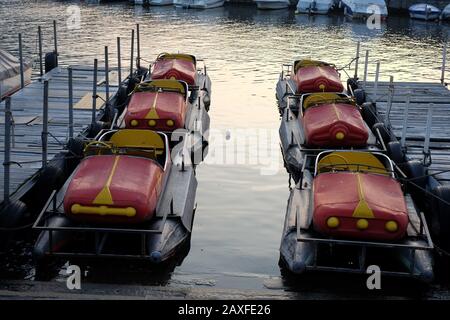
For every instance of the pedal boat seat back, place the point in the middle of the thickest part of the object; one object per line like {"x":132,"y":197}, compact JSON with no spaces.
{"x":176,"y":67}
{"x":121,"y":178}
{"x":316,"y":76}
{"x":331,"y":120}
{"x":158,"y":105}
{"x":355,"y":196}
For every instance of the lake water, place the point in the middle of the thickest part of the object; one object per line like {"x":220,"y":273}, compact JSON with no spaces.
{"x":241,"y":200}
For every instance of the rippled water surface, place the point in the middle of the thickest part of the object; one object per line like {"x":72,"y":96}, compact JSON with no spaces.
{"x":240,"y":212}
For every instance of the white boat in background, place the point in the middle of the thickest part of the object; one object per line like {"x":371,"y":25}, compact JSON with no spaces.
{"x":160,"y":2}
{"x":314,"y":6}
{"x":154,"y":2}
{"x":446,"y":13}
{"x":10,"y":73}
{"x":198,"y":4}
{"x":272,"y":4}
{"x":423,"y":11}
{"x":364,"y":8}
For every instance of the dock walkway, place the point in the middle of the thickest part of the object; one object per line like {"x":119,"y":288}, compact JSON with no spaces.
{"x":421,"y":96}
{"x":27,"y":117}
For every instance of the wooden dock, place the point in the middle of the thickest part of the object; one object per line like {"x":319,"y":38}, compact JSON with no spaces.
{"x":418,"y":97}
{"x":27,"y":116}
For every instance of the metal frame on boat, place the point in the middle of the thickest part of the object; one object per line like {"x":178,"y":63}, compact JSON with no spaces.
{"x":301,"y":245}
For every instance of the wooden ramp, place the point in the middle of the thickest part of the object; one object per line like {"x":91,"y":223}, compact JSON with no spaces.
{"x":421,"y":96}
{"x":27,"y":114}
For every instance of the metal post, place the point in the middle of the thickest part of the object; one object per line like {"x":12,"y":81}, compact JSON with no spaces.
{"x":426,"y":143}
{"x":44,"y":134}
{"x":444,"y":62}
{"x":106,"y":74}
{"x":69,"y":69}
{"x":358,"y":46}
{"x":94,"y":92}
{"x":41,"y":65}
{"x":138,"y":39}
{"x":132,"y":52}
{"x":119,"y":62}
{"x":377,"y":77}
{"x":389,"y":102}
{"x":55,"y":38}
{"x":405,"y":120}
{"x":366,"y":64}
{"x":22,"y":77}
{"x":7,"y":159}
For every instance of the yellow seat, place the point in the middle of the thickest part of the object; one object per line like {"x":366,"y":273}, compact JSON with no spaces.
{"x":319,"y":98}
{"x":181,"y":56}
{"x":164,"y":84}
{"x":137,"y":138}
{"x":309,"y":63}
{"x":351,"y":161}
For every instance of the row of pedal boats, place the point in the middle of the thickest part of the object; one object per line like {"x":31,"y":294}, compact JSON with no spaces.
{"x":130,"y":187}
{"x":350,"y":206}
{"x":132,"y":191}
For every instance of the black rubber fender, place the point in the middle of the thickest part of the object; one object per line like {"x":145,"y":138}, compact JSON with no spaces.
{"x":52,"y":176}
{"x":383,"y":131}
{"x":95,"y":127}
{"x":352,"y":84}
{"x":12,"y":213}
{"x":75,"y":147}
{"x":416,"y":171}
{"x":51,"y":61}
{"x":360,"y":96}
{"x":440,"y":215}
{"x":369,"y":113}
{"x":206,"y":101}
{"x":11,"y":216}
{"x":395,"y":152}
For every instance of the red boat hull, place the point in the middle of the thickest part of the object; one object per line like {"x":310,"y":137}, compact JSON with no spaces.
{"x":179,"y":69}
{"x":163,"y":111}
{"x":329,"y":125}
{"x":359,"y":200}
{"x":318,"y":79}
{"x":114,"y":189}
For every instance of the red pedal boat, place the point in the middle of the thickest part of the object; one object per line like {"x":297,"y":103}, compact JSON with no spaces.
{"x":158,"y":105}
{"x":356,"y":196}
{"x":122,"y":179}
{"x":176,"y":67}
{"x":316,"y":76}
{"x":330,"y":120}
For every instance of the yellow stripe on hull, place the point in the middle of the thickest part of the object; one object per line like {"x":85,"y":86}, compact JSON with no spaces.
{"x":103,"y":210}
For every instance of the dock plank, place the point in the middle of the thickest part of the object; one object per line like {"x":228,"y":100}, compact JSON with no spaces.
{"x":421,"y":95}
{"x":27,"y":109}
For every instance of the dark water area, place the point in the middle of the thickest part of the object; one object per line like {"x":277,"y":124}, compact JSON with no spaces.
{"x":242,"y":192}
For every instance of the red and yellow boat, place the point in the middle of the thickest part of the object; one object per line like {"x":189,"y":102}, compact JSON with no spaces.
{"x":175,"y":66}
{"x":356,"y":196}
{"x":316,"y":76}
{"x":121,"y":179}
{"x":330,"y":120}
{"x":158,"y":105}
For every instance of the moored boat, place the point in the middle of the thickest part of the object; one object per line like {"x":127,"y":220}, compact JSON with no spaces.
{"x":130,"y":187}
{"x":364,"y":8}
{"x":160,"y":2}
{"x":198,"y":4}
{"x":272,"y":4}
{"x":446,"y":12}
{"x":348,"y":209}
{"x":10,"y":78}
{"x":423,"y":11}
{"x":314,"y":6}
